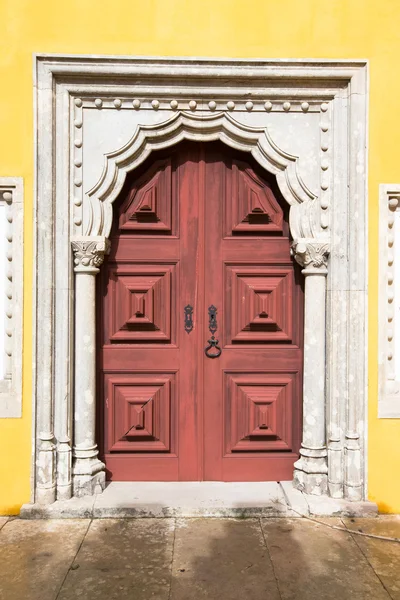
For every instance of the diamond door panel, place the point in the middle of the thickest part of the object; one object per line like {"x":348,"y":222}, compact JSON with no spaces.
{"x":258,"y":411}
{"x":141,"y":299}
{"x":139,"y":409}
{"x":259,"y":303}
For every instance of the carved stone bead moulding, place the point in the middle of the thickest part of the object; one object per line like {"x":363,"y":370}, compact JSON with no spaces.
{"x":389,"y":301}
{"x":11,"y":302}
{"x":98,"y":118}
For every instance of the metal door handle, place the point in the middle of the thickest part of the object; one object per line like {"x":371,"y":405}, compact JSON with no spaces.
{"x":212,"y":326}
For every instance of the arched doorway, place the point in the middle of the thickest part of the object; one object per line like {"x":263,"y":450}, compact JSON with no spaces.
{"x":200,"y":258}
{"x":297,"y":120}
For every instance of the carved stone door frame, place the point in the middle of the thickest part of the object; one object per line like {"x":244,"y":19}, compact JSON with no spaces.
{"x":99,"y":118}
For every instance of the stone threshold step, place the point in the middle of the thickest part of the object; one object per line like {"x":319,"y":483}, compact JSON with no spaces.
{"x":143,"y":499}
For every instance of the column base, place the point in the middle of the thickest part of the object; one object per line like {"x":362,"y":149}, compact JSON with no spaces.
{"x":64,"y":469}
{"x":353,"y":488}
{"x":45,"y":495}
{"x":335,"y":489}
{"x":89,"y":477}
{"x":88,"y":485}
{"x":46,"y":469}
{"x":354,"y":494}
{"x":335,"y":468}
{"x":311,"y":472}
{"x":315,"y":484}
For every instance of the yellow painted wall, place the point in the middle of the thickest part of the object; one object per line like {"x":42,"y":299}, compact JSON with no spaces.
{"x":222,"y":28}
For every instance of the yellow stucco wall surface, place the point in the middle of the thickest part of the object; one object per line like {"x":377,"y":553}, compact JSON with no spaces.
{"x":264,"y":29}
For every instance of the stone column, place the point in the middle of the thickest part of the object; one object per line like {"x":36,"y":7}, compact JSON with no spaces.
{"x":88,"y":470}
{"x":310,"y":475}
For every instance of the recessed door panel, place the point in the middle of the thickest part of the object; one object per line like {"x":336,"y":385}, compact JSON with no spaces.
{"x":141,"y":302}
{"x":258,"y":409}
{"x":140,"y":411}
{"x":151,"y":205}
{"x":259,"y":303}
{"x":250,"y":205}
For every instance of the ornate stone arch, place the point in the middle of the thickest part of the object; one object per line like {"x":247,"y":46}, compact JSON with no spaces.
{"x":209,"y":127}
{"x":97,"y":119}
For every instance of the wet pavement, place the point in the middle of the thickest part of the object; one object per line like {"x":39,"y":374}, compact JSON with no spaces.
{"x":191,"y":559}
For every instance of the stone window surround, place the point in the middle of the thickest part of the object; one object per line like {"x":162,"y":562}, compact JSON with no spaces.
{"x":12,"y":197}
{"x":203,"y":99}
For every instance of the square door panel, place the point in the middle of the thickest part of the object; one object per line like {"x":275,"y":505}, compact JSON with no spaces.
{"x":139,"y":412}
{"x":141,"y":298}
{"x":258,"y":411}
{"x":259,"y":303}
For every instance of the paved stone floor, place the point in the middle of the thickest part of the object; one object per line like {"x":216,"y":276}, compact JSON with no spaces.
{"x":191,"y":559}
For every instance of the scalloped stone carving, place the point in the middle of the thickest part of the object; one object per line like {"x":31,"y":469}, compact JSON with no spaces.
{"x":209,"y":127}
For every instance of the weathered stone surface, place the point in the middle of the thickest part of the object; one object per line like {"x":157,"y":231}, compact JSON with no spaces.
{"x":35,"y":557}
{"x":3,"y":521}
{"x":74,"y":508}
{"x":300,"y":504}
{"x":190,"y":499}
{"x":168,"y":559}
{"x":329,"y":507}
{"x":383,"y":556}
{"x":295,"y":500}
{"x":315,"y":562}
{"x":222,"y":558}
{"x":113,"y":585}
{"x":129,"y":545}
{"x":123,"y":559}
{"x":198,"y":499}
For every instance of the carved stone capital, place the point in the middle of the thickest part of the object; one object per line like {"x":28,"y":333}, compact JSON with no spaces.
{"x":311,"y":255}
{"x":89,"y":253}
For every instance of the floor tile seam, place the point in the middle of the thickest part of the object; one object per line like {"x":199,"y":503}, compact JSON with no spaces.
{"x":355,"y":541}
{"x":270,"y":558}
{"x":172,"y":562}
{"x":73,"y":559}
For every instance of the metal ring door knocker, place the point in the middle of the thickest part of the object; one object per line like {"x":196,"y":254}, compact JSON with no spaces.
{"x":212,"y":326}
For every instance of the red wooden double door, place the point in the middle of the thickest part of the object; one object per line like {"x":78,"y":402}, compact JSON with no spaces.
{"x":200,"y":247}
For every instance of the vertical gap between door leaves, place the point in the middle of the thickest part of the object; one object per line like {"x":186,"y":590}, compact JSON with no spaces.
{"x":202,"y":320}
